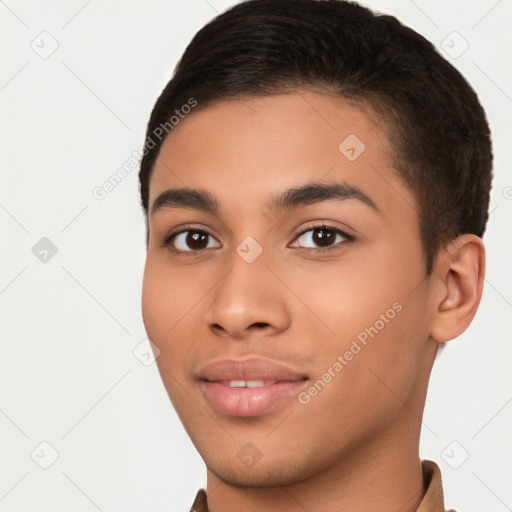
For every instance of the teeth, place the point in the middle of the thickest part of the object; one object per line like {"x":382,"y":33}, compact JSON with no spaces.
{"x":250,"y":383}
{"x":237,"y":383}
{"x":254,"y":383}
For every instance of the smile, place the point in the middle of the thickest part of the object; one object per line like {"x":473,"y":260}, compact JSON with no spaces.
{"x":249,"y":387}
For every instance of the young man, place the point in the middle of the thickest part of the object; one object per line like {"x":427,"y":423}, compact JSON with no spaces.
{"x":316,"y":184}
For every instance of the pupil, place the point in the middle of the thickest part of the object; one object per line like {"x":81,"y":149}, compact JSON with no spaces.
{"x":197,"y":240}
{"x":323,"y":236}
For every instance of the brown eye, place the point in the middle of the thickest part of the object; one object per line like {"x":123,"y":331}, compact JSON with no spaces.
{"x":196,"y":240}
{"x":322,"y":237}
{"x":193,"y":240}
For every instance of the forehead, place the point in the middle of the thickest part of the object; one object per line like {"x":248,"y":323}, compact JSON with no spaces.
{"x":243,"y":151}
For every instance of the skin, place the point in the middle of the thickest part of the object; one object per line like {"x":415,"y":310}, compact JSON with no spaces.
{"x":354,"y":445}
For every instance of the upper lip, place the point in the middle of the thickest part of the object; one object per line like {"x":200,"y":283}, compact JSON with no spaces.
{"x":249,"y":369}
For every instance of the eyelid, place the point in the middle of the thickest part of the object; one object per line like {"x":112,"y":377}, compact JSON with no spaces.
{"x":323,"y":225}
{"x":319,"y":224}
{"x":166,"y":241}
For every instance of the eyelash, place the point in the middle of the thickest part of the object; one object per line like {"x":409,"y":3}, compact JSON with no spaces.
{"x":167,"y":241}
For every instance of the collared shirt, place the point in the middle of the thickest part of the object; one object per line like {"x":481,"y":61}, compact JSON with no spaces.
{"x":433,"y":500}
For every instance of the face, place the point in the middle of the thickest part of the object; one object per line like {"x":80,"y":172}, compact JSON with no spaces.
{"x":288,"y":295}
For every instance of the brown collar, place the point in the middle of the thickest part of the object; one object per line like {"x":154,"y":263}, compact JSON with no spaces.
{"x":432,"y":501}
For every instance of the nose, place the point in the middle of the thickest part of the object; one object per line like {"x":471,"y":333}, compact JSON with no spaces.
{"x":248,"y":300}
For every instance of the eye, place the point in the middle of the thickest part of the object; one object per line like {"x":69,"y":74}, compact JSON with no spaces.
{"x":316,"y":238}
{"x":322,"y":238}
{"x":191,"y":240}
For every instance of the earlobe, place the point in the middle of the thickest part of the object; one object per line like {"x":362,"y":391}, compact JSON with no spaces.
{"x":460,"y":274}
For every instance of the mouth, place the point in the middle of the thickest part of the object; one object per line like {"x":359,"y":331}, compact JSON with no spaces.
{"x":249,"y":398}
{"x":250,"y":387}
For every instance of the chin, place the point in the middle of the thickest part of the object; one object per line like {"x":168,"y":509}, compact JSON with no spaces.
{"x":276,"y":473}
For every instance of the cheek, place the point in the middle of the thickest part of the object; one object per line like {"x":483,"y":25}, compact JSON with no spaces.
{"x":154,"y":302}
{"x":341,"y":299}
{"x":162,"y":307}
{"x":168,"y":295}
{"x":360,"y":388}
{"x":172,"y":298}
{"x":368,"y":331}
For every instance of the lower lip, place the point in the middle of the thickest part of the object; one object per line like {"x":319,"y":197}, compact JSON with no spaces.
{"x":249,"y":401}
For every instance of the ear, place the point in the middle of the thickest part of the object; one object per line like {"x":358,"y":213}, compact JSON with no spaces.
{"x":458,"y":282}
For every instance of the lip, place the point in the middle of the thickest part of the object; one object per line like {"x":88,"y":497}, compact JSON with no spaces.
{"x":281,"y":383}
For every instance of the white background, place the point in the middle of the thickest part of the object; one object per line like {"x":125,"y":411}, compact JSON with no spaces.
{"x":68,"y":328}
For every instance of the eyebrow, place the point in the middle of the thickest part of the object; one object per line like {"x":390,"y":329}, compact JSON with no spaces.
{"x":301,"y":195}
{"x":316,"y":192}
